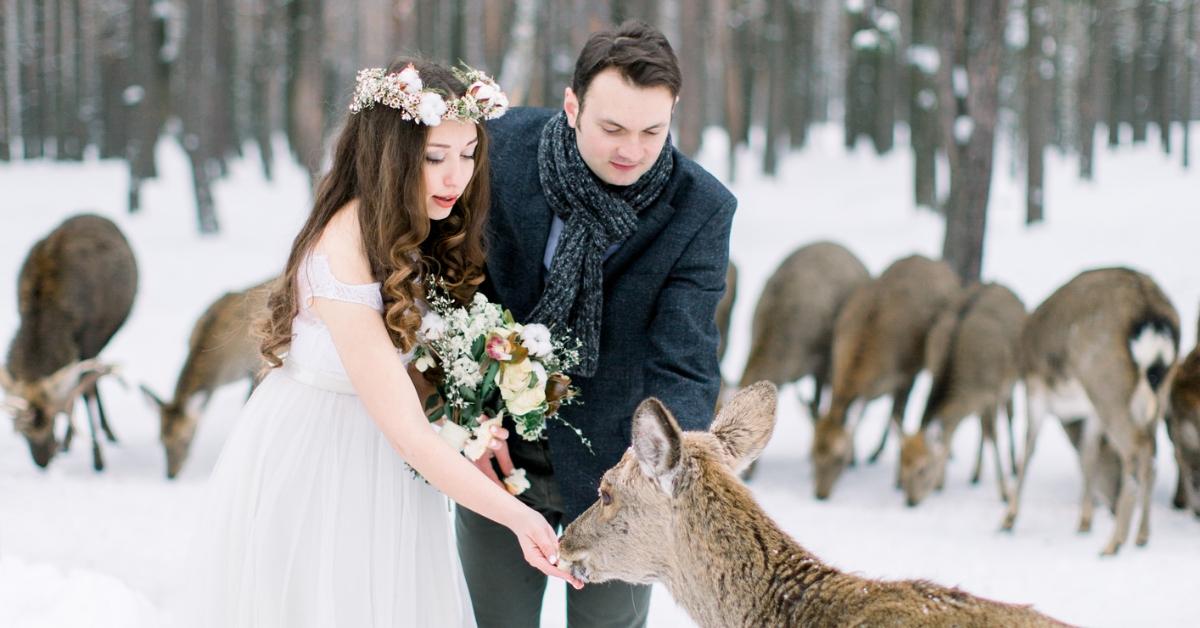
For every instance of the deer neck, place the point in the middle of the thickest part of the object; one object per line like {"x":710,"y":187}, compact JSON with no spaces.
{"x":734,"y":565}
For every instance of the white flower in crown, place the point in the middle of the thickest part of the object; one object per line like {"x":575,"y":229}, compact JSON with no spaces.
{"x":405,"y":91}
{"x":431,"y":109}
{"x":410,"y":81}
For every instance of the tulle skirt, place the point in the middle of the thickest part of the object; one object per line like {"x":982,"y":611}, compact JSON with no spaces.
{"x":312,"y":519}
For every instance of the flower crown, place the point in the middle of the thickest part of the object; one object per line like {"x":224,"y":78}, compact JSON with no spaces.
{"x":405,"y":92}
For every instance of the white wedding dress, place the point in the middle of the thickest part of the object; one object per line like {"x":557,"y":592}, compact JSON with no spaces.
{"x":312,"y":519}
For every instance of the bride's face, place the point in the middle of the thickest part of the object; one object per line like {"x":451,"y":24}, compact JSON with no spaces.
{"x":449,"y":165}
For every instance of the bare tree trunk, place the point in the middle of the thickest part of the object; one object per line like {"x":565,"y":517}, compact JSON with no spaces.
{"x":972,"y":44}
{"x":923,"y":111}
{"x":690,"y":110}
{"x":1038,"y":67}
{"x":1093,"y":89}
{"x":516,"y":72}
{"x":725,"y":40}
{"x":802,"y":76}
{"x":51,"y":75}
{"x":149,"y":99}
{"x":305,"y":114}
{"x":1163,"y":67}
{"x":776,"y":86}
{"x":1188,"y":76}
{"x":1144,"y":62}
{"x":1121,"y":103}
{"x":5,"y":137}
{"x":32,"y":94}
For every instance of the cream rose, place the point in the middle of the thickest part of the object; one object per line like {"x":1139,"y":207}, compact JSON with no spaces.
{"x":514,"y":380}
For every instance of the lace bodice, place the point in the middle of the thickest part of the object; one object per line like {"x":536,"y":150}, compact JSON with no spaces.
{"x":312,"y":346}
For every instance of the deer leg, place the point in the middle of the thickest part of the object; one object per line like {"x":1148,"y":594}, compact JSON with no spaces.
{"x":1089,"y":454}
{"x":814,"y":406}
{"x":1012,"y":441}
{"x":1145,"y":486}
{"x":859,"y":410}
{"x":97,"y":457}
{"x":899,"y":402}
{"x":66,"y":446}
{"x":1035,"y":395}
{"x":108,"y":433}
{"x":991,"y":435}
{"x":987,"y":422}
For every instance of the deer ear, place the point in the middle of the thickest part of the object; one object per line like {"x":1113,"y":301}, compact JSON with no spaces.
{"x":745,"y":423}
{"x":657,"y":442}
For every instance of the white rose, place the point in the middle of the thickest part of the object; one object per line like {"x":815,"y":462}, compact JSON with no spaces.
{"x":520,"y":396}
{"x":432,"y":326}
{"x":516,"y":482}
{"x":525,"y":401}
{"x":536,"y":338}
{"x":431,"y":109}
{"x":411,"y":80}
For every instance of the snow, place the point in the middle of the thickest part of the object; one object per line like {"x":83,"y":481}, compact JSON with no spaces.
{"x":925,"y":58}
{"x":865,"y":39}
{"x":964,"y":126}
{"x":84,"y":549}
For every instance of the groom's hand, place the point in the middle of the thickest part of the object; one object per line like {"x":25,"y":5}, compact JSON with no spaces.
{"x":498,"y":449}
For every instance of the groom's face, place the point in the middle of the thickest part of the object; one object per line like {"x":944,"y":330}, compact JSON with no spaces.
{"x":620,"y":127}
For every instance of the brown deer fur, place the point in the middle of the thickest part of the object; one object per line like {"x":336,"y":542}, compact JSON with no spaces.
{"x":222,"y":349}
{"x":971,"y":352}
{"x":75,"y":290}
{"x":878,"y":349}
{"x":673,"y":511}
{"x":1183,"y":426}
{"x":1099,"y":349}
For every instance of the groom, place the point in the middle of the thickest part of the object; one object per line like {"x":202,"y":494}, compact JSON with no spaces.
{"x":598,"y":225}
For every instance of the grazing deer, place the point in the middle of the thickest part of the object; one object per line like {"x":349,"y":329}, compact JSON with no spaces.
{"x":1099,"y":350}
{"x":725,"y":308}
{"x":75,"y":290}
{"x":673,"y":511}
{"x":792,"y":333}
{"x":222,"y":349}
{"x":1183,"y":426}
{"x":971,"y":352}
{"x":878,"y":349}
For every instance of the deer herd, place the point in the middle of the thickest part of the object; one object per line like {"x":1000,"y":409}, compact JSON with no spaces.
{"x":1100,"y":354}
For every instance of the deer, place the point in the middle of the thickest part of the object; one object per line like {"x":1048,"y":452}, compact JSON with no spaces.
{"x":1097,"y":352}
{"x":792,"y":332}
{"x":725,"y":308}
{"x":673,"y":511}
{"x":75,"y":290}
{"x":878,"y":349}
{"x":1183,"y":426}
{"x":222,"y":349}
{"x":971,"y":353}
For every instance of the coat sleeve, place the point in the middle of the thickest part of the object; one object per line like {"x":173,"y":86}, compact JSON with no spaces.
{"x":683,"y":371}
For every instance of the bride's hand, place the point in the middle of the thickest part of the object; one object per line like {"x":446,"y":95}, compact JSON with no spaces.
{"x":539,"y":544}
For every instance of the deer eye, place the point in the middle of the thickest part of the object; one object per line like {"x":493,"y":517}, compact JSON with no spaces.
{"x":605,"y":497}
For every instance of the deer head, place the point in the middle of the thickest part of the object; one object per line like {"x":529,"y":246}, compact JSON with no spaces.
{"x":35,"y":405}
{"x":177,"y":426}
{"x":922,"y":462}
{"x":832,"y":450}
{"x":627,"y":534}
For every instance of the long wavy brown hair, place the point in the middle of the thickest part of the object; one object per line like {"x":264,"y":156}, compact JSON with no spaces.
{"x":378,"y":160}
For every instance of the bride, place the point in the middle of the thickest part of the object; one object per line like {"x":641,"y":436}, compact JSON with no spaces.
{"x":314,"y":517}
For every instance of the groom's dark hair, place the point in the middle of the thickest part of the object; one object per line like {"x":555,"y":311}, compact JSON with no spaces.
{"x":638,"y":50}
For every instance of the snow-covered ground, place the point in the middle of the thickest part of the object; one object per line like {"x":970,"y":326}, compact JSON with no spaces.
{"x":85,"y":549}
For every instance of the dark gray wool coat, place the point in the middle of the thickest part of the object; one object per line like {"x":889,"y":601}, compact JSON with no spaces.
{"x":661,"y":288}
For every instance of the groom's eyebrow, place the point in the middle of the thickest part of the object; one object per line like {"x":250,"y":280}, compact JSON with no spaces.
{"x":474,"y":141}
{"x":622,"y":127}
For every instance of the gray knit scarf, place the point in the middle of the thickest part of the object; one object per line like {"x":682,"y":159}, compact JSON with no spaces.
{"x":595,"y":216}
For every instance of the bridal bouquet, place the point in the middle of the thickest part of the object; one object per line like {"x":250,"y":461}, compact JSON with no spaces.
{"x":488,"y":366}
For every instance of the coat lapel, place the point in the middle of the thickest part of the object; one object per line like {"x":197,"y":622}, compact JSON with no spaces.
{"x":650,"y":224}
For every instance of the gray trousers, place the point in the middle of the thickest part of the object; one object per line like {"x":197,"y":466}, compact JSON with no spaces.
{"x":507,"y":592}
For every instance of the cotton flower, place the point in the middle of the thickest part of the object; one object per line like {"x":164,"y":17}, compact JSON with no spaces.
{"x":516,"y":482}
{"x":411,"y":81}
{"x":478,"y":445}
{"x":455,"y":435}
{"x":433,"y":326}
{"x":536,"y":338}
{"x":431,"y":109}
{"x":425,"y":362}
